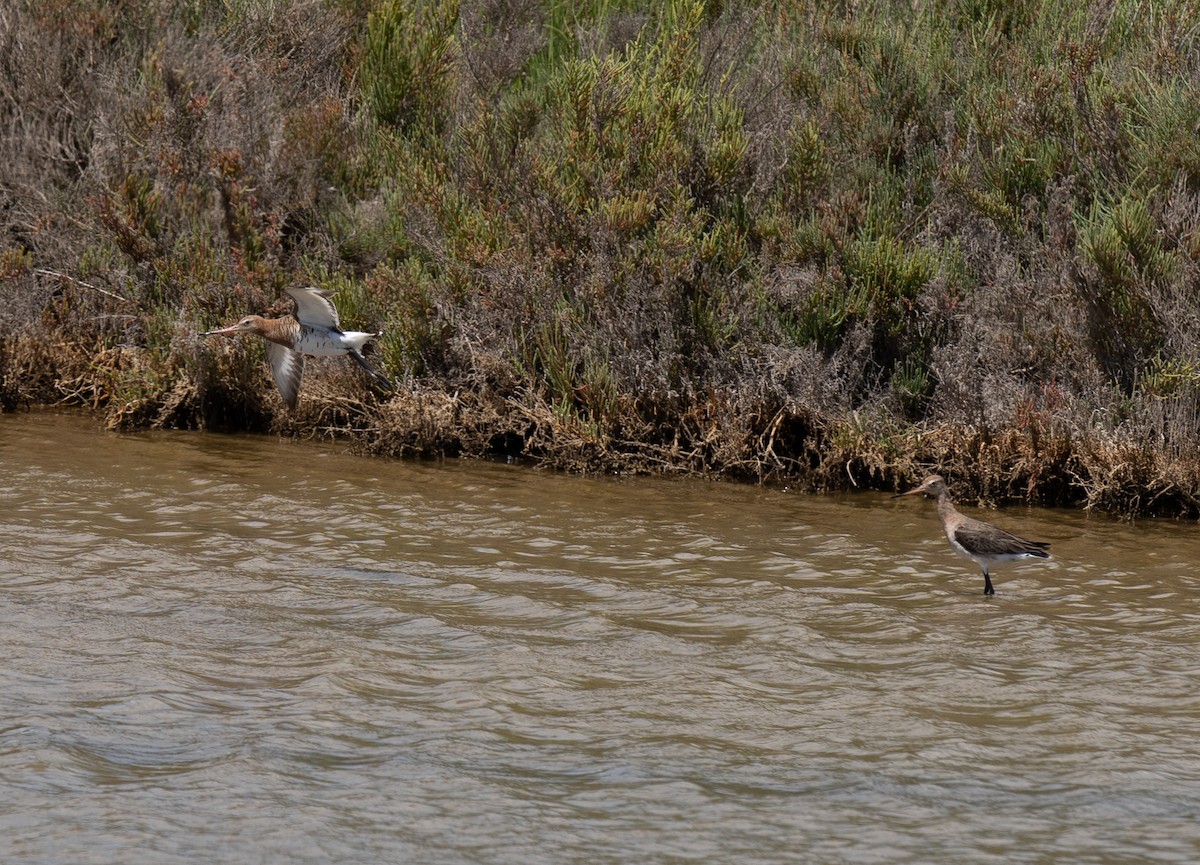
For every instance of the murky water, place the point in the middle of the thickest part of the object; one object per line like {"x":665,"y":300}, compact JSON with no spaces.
{"x":233,"y":649}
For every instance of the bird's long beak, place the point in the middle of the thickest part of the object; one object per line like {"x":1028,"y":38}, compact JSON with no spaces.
{"x":913,"y":491}
{"x":233,"y":328}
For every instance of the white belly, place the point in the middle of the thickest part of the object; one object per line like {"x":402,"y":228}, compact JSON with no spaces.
{"x":313,"y":341}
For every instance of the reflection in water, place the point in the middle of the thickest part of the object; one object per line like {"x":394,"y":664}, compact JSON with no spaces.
{"x":242,"y":649}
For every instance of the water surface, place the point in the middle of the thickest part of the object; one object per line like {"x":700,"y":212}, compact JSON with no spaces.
{"x":241,"y":649}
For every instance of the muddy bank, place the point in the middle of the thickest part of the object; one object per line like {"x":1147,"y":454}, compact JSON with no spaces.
{"x":798,"y":450}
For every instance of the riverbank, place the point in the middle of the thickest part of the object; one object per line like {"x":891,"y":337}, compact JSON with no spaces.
{"x":780,"y":244}
{"x":861,"y":451}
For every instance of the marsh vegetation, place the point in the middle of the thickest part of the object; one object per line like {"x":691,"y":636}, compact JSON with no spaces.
{"x":817,"y":243}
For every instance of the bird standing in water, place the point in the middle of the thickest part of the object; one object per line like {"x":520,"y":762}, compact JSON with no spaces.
{"x":312,"y":329}
{"x":983,"y":543}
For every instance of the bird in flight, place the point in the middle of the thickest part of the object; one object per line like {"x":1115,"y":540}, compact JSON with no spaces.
{"x":311,"y":329}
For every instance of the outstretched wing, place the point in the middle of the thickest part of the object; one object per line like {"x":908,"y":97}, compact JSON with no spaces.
{"x":314,"y":308}
{"x":288,"y":368}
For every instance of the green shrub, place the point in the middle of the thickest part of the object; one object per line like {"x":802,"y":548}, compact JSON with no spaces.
{"x":409,"y":62}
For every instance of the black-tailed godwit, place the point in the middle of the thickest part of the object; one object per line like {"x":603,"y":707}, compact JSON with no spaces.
{"x":312,"y":329}
{"x":983,"y":543}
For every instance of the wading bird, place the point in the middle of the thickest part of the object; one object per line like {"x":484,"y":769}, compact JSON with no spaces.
{"x":311,"y":329}
{"x":981,"y":542}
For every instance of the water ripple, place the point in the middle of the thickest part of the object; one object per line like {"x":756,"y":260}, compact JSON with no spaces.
{"x":269,"y":651}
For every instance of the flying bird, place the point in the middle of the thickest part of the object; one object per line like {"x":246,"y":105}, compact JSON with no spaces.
{"x":983,"y":543}
{"x":311,"y":329}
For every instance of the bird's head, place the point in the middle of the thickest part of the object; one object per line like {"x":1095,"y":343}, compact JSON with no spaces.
{"x":249,"y":324}
{"x":934,"y":486}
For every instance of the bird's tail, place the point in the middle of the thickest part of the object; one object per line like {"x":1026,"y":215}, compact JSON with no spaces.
{"x":357,"y":339}
{"x":1037,"y":549}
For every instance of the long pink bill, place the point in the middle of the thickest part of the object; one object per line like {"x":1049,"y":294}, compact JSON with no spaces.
{"x":233,"y":328}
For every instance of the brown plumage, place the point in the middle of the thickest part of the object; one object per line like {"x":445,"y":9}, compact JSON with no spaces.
{"x":983,"y":543}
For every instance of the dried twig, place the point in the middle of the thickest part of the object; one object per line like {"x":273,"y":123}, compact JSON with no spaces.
{"x":54,"y":273}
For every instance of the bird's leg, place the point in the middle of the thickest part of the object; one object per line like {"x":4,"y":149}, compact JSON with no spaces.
{"x":376,"y":374}
{"x":987,"y":584}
